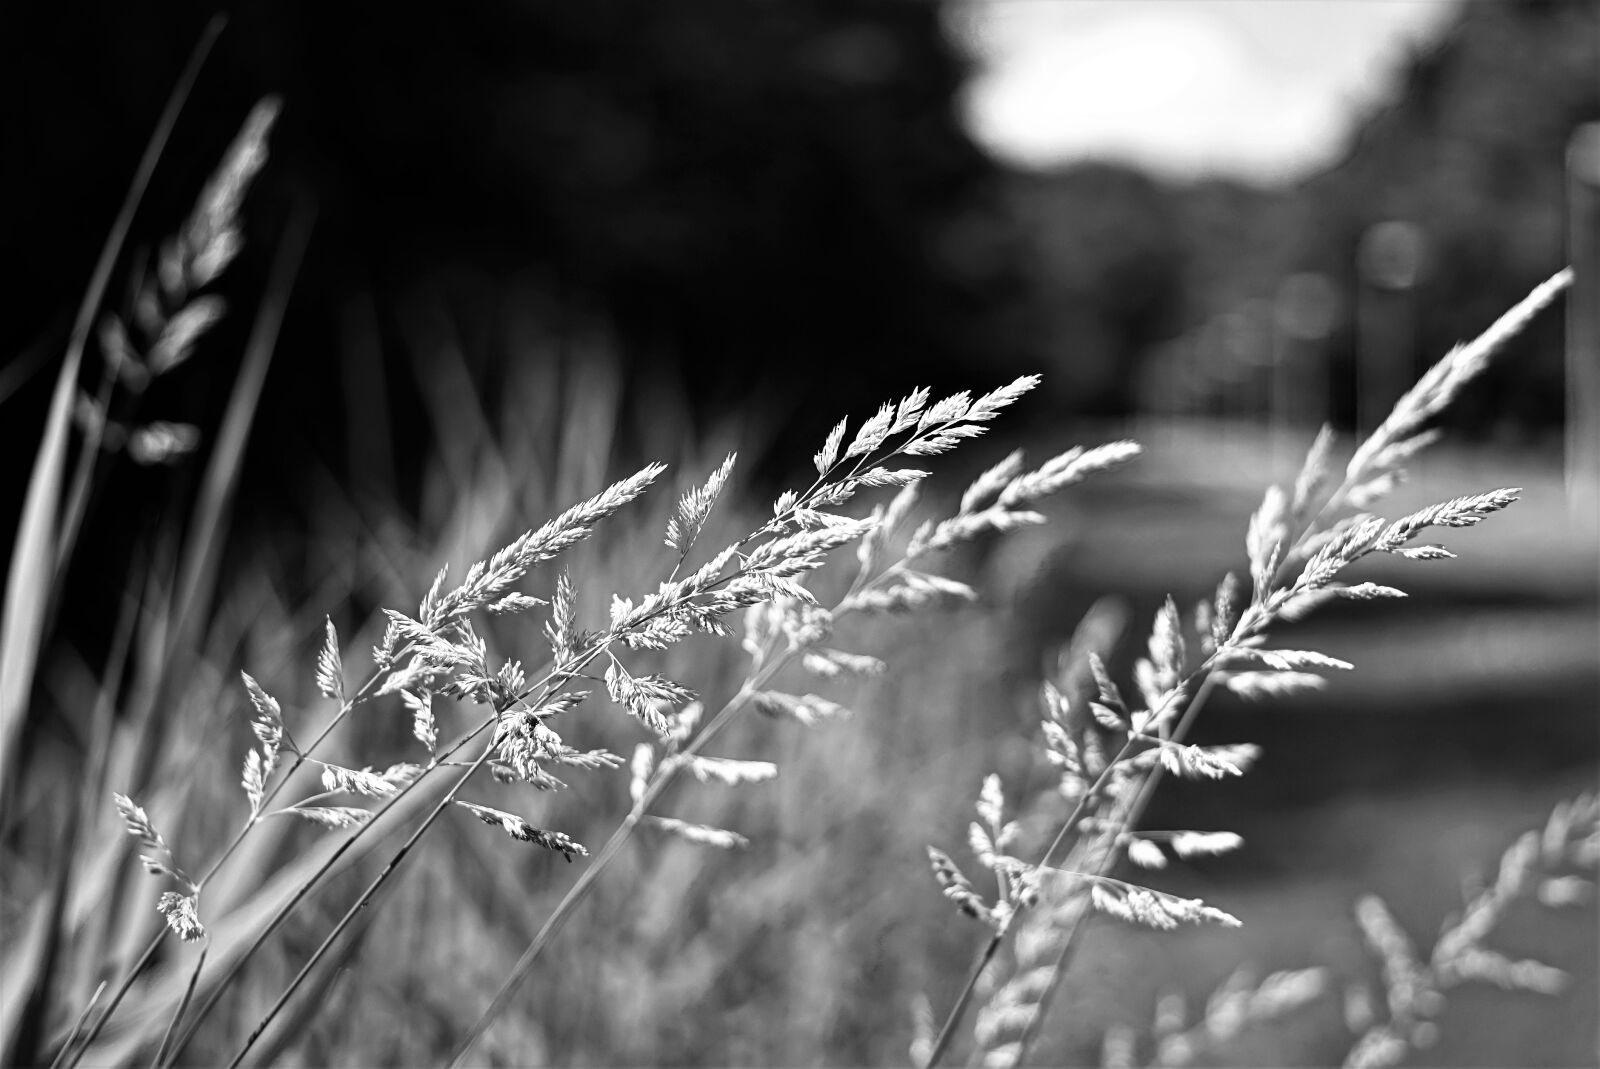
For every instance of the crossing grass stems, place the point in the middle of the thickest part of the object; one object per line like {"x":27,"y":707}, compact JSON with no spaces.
{"x":1111,"y":750}
{"x":1110,"y":745}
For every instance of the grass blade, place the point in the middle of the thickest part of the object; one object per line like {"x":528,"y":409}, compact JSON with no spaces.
{"x":32,"y":577}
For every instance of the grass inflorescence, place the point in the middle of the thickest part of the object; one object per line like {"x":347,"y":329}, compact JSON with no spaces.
{"x":598,"y":716}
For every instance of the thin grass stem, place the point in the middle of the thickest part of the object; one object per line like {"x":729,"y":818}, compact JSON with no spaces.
{"x":177,"y":1015}
{"x":1068,"y":826}
{"x":310,"y":884}
{"x":553,"y":680}
{"x":360,"y":904}
{"x":953,"y":1019}
{"x":78,"y":1023}
{"x":959,"y":1010}
{"x":33,"y":581}
{"x":1135,"y":810}
{"x":666,"y":774}
{"x":580,"y":889}
{"x":300,"y":758}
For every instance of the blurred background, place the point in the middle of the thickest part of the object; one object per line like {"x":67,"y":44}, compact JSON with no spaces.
{"x":521,"y":248}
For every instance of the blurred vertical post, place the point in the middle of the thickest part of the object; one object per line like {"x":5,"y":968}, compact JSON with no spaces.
{"x":1389,"y":265}
{"x":1304,"y":313}
{"x":1166,"y":392}
{"x":1583,"y":321}
{"x":1211,"y":360}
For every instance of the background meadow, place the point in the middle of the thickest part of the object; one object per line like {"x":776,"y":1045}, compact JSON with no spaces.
{"x":487,"y":322}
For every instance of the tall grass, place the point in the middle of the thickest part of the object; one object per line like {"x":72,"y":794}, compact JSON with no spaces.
{"x":593,"y":792}
{"x":1113,"y":751}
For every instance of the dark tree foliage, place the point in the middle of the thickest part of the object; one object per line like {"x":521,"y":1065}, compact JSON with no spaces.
{"x":745,"y":199}
{"x":1106,"y":262}
{"x":1471,"y":151}
{"x":758,"y":194}
{"x":770,"y":197}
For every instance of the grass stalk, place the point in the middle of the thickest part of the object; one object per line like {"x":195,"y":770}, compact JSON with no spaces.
{"x":177,"y":1014}
{"x":1293,"y":561}
{"x":45,"y":536}
{"x":301,"y":756}
{"x":79,"y":1021}
{"x":552,"y":682}
{"x":1135,"y":811}
{"x":283,"y":912}
{"x":592,"y":872}
{"x":34,"y":576}
{"x":556,"y":678}
{"x":772,"y":660}
{"x":359,"y":905}
{"x":952,"y":1021}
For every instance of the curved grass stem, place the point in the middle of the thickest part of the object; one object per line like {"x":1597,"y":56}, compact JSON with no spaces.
{"x":665,"y":776}
{"x":143,"y":961}
{"x":1128,"y":819}
{"x":360,"y":904}
{"x":556,"y":677}
{"x":953,"y":1020}
{"x":770,"y":665}
{"x":221,"y":983}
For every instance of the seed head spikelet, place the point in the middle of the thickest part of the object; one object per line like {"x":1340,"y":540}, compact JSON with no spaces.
{"x":987,"y":486}
{"x":1440,"y":385}
{"x":825,"y":457}
{"x":157,"y":856}
{"x":1298,"y":544}
{"x":728,"y":771}
{"x":338,"y":817}
{"x":1314,"y":474}
{"x":330,"y":672}
{"x":1204,"y":843}
{"x":356,"y":781}
{"x":1071,"y":467}
{"x":182,"y":913}
{"x":695,"y":507}
{"x":700,"y":834}
{"x":254,"y":780}
{"x":1140,"y":905}
{"x":809,"y":710}
{"x":832,"y":663}
{"x":522,"y":831}
{"x":165,"y":310}
{"x":1144,"y":853}
{"x":872,"y":434}
{"x":957,"y":888}
{"x":176,"y":341}
{"x":1289,"y":660}
{"x":640,"y":769}
{"x":180,"y":909}
{"x":1263,"y":685}
{"x":489,"y":580}
{"x":212,"y":237}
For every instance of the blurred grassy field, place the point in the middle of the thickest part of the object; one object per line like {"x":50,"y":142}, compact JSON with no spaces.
{"x":1471,"y":711}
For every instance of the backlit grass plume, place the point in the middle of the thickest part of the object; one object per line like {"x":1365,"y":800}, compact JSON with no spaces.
{"x":436,"y":664}
{"x":561,"y":722}
{"x":1111,"y":750}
